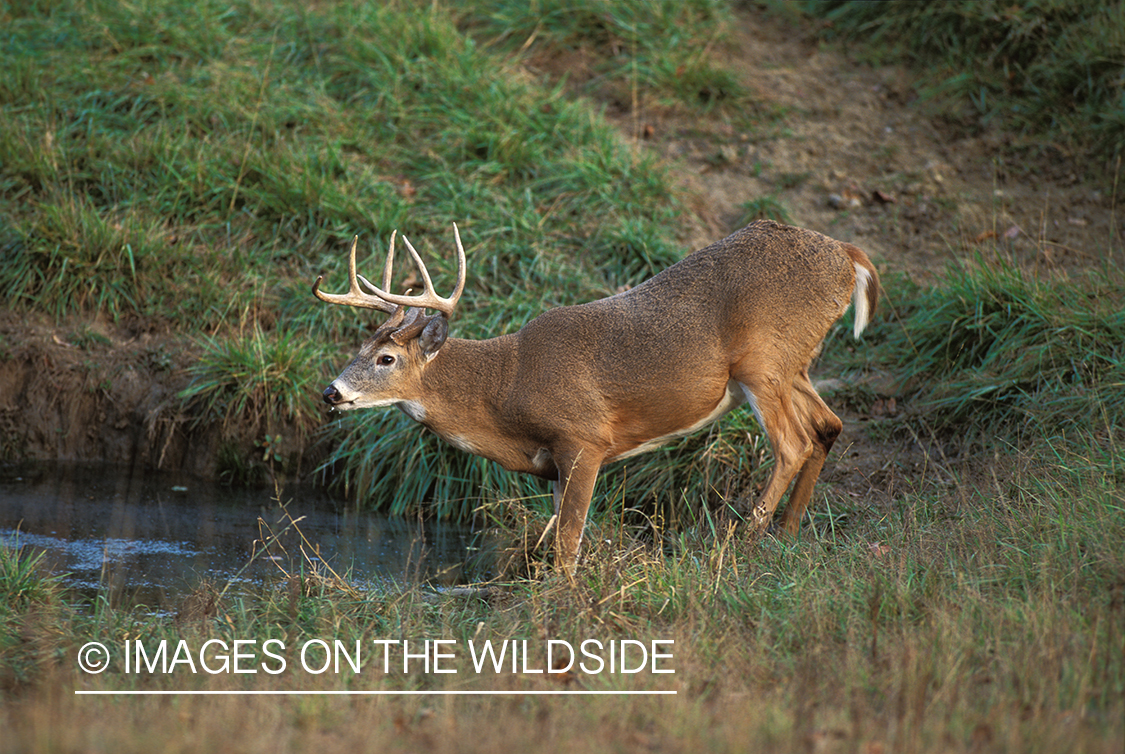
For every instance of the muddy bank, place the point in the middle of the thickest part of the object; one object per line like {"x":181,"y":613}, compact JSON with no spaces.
{"x":96,"y":391}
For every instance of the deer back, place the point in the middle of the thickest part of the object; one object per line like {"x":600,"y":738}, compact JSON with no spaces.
{"x":768,"y":292}
{"x":655,"y":361}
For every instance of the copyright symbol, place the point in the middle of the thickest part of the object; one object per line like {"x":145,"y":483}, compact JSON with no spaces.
{"x":93,"y":657}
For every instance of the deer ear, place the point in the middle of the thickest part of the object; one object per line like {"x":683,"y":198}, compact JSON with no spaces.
{"x":434,"y":334}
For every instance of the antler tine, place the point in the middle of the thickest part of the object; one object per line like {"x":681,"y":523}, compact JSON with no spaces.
{"x":428,"y":299}
{"x":387,"y":267}
{"x":459,"y":288}
{"x":355,"y":296}
{"x":390,"y":262}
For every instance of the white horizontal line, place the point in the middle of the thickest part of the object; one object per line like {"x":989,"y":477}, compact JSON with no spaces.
{"x":547,"y":692}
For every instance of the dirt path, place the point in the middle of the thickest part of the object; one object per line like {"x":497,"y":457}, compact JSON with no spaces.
{"x":857,"y":156}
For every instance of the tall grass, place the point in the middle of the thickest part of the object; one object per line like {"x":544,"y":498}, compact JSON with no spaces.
{"x":388,"y":458}
{"x":31,"y":602}
{"x":995,"y":346}
{"x":23,"y":579}
{"x":259,"y":381}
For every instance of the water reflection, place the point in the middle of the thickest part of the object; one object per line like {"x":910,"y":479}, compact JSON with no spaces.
{"x":150,"y":538}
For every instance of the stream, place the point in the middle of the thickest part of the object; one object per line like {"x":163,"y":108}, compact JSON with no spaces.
{"x":151,"y":538}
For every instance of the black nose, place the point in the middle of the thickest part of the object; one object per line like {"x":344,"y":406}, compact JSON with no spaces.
{"x":332,"y":396}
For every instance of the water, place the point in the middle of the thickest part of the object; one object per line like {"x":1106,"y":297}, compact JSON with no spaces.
{"x":150,"y":538}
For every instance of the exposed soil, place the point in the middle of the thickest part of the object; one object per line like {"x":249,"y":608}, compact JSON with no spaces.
{"x":859,"y":157}
{"x":92,"y":391}
{"x":853,"y":154}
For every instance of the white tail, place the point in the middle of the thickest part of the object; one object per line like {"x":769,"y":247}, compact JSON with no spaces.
{"x":581,"y":386}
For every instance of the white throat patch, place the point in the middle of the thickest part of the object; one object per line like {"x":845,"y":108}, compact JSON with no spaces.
{"x":413,"y":409}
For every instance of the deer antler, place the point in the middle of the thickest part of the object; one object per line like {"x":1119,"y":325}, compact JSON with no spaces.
{"x":355,"y":296}
{"x":389,"y":302}
{"x":429,"y":298}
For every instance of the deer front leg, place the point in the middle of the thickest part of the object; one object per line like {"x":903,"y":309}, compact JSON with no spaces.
{"x":573,"y":490}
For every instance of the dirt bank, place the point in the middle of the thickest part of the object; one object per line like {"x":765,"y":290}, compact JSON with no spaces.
{"x":80,"y":390}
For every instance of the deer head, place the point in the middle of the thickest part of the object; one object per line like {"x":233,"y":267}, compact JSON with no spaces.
{"x":389,"y":365}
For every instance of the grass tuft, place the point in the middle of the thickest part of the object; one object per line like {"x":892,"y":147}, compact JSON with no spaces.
{"x":995,"y":346}
{"x":259,"y":386}
{"x":23,"y":582}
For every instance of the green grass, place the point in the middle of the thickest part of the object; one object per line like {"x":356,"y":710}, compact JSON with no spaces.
{"x":257,"y":380}
{"x":153,"y":156}
{"x":698,"y":473}
{"x":662,"y":52}
{"x":997,"y":348}
{"x":23,"y":581}
{"x":767,"y":207}
{"x":259,"y":386}
{"x":30,"y":598}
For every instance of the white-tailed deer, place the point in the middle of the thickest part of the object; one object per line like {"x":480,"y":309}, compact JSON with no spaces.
{"x":581,"y":386}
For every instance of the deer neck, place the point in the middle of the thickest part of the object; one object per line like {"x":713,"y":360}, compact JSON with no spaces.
{"x":461,"y":387}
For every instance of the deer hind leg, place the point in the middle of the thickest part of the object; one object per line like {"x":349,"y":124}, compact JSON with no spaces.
{"x":773,"y":405}
{"x":572,"y":490}
{"x":823,"y":428}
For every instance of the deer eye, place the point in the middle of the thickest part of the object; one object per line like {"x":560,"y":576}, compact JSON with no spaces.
{"x":386,"y":359}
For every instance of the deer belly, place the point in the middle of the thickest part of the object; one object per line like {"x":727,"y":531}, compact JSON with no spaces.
{"x":732,"y":399}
